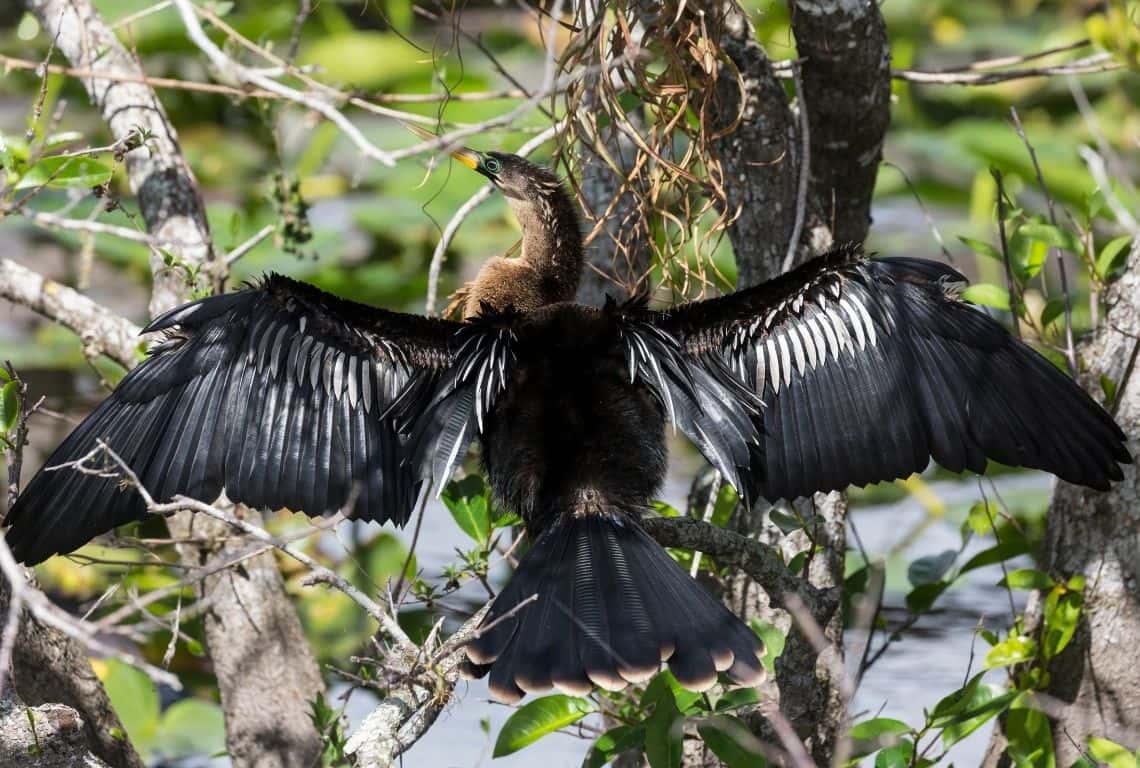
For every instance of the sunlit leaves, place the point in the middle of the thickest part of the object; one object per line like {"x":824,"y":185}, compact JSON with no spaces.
{"x":65,"y":173}
{"x":190,"y":726}
{"x":9,"y":406}
{"x":1030,"y":738}
{"x":1015,"y":649}
{"x":664,"y":731}
{"x":535,"y":719}
{"x":468,"y":501}
{"x":987,"y":294}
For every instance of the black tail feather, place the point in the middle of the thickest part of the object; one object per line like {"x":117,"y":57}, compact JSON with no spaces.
{"x":611,"y":606}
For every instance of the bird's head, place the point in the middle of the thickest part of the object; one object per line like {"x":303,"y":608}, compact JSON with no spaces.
{"x":518,"y":179}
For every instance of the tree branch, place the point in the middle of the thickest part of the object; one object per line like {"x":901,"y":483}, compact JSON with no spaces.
{"x":102,"y":331}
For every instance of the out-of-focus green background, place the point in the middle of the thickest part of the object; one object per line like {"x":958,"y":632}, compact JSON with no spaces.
{"x":367,"y":232}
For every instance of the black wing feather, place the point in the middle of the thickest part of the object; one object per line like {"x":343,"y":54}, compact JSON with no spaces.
{"x":276,"y":393}
{"x":868,"y":368}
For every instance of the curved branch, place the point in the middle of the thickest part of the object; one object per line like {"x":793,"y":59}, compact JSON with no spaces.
{"x":102,"y":331}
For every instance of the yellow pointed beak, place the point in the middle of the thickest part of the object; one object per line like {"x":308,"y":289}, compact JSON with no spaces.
{"x":468,"y":157}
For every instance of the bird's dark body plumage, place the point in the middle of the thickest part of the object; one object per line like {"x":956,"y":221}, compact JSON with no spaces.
{"x":846,"y":370}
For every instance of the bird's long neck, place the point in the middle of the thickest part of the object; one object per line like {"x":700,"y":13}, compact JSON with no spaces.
{"x":552,"y":241}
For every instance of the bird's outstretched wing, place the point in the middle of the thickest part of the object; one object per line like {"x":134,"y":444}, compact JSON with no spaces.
{"x":278,"y":393}
{"x":868,"y":368}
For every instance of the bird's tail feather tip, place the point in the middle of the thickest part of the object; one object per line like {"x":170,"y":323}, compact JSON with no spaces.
{"x":612,"y":609}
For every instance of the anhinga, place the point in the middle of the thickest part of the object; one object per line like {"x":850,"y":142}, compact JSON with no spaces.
{"x":846,"y":370}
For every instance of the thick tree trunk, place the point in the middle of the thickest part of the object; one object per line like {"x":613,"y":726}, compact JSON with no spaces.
{"x":1095,"y":680}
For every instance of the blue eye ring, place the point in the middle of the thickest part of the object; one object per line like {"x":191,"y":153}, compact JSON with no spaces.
{"x":492,"y":165}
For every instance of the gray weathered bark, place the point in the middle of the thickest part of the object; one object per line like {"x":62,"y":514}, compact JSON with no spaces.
{"x":255,"y":639}
{"x":1095,"y":681}
{"x":52,"y":680}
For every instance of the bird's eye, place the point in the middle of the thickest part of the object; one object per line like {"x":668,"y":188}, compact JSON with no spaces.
{"x":492,"y":165}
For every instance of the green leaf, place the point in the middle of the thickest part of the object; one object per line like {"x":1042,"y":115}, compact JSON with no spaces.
{"x":985,"y":702}
{"x":135,"y":701}
{"x":468,"y":502}
{"x":664,"y":509}
{"x":9,"y":406}
{"x":65,"y":173}
{"x":738,"y":697}
{"x":1052,"y":236}
{"x":191,"y":727}
{"x":1027,"y":579}
{"x":664,"y":686}
{"x":987,"y":294}
{"x":922,"y":597}
{"x":1111,"y":754}
{"x":1108,"y":386}
{"x":1111,"y":256}
{"x":664,"y":733}
{"x":1008,"y":548}
{"x":897,"y":756}
{"x":613,"y":742}
{"x":774,"y":641}
{"x":981,"y":248}
{"x":784,"y":521}
{"x":1030,"y":739}
{"x":981,"y":517}
{"x":730,"y":740}
{"x":955,"y":702}
{"x":877,"y":727}
{"x":931,"y":568}
{"x":877,"y":733}
{"x":1013,"y":650}
{"x":537,"y":718}
{"x":1062,"y":614}
{"x":1054,"y":308}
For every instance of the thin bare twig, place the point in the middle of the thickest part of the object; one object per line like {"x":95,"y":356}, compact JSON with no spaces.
{"x":805,"y":172}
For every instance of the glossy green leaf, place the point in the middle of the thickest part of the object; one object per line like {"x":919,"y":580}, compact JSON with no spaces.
{"x":468,"y":502}
{"x":65,"y":173}
{"x":191,"y":727}
{"x":955,"y":702}
{"x":537,"y":718}
{"x":980,"y":519}
{"x":1112,"y":256}
{"x":1054,"y":308}
{"x":987,"y":294}
{"x":1008,"y":548}
{"x":931,"y":568}
{"x":1027,"y":579}
{"x":877,"y":733}
{"x":1052,"y":236}
{"x":613,"y":742}
{"x":664,"y":733}
{"x":985,"y":702}
{"x":774,"y":640}
{"x":897,"y":756}
{"x":730,"y":740}
{"x":664,"y":686}
{"x":1062,"y":614}
{"x":982,"y":248}
{"x":737,"y":697}
{"x":135,"y":701}
{"x":1111,"y":754}
{"x":9,"y":406}
{"x":1013,"y":650}
{"x":878,"y":726}
{"x":1030,"y":739}
{"x":921,"y":598}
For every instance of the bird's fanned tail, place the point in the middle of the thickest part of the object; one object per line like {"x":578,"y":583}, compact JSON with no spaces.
{"x":596,"y":601}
